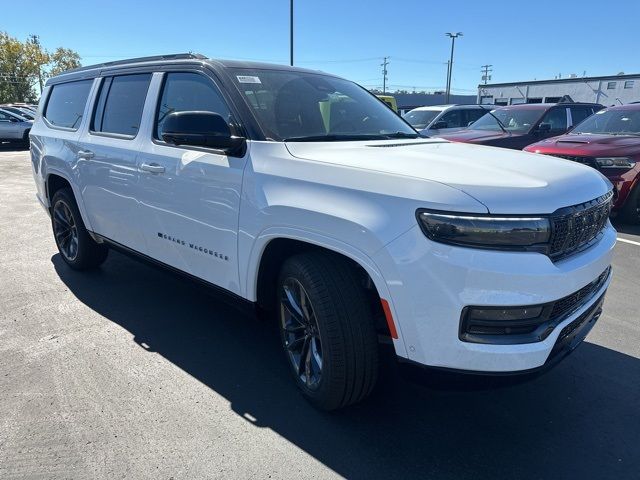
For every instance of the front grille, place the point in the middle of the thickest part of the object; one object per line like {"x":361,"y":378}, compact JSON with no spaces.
{"x":573,"y":326}
{"x":567,"y":305}
{"x":584,"y":160}
{"x":574,"y":228}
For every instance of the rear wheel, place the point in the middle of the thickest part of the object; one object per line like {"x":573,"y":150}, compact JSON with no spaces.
{"x":631,"y":210}
{"x":77,"y":248}
{"x":327,"y":331}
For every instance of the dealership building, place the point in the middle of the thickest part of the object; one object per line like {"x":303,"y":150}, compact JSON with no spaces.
{"x":610,"y":90}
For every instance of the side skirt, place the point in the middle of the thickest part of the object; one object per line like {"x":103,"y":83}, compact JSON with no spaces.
{"x":245,"y":306}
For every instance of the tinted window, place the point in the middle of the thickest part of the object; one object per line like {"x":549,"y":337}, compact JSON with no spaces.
{"x":189,"y":92}
{"x":578,"y":114}
{"x":453,"y":119}
{"x":66,"y":103}
{"x":557,"y":118}
{"x":474,"y":114}
{"x":120,"y":104}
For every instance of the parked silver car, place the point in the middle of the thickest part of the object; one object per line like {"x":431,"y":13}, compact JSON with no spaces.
{"x":437,"y":120}
{"x":14,"y":128}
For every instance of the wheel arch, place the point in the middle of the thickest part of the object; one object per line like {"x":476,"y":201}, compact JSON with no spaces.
{"x":54,"y":181}
{"x":275,"y":248}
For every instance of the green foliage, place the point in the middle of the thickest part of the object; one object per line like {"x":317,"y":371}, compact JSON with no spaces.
{"x":24,"y":67}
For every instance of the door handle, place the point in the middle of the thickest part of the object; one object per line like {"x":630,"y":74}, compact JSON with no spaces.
{"x":152,"y":167}
{"x":85,"y":154}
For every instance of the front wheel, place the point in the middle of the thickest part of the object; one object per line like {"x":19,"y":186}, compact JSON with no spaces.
{"x":327,"y":330}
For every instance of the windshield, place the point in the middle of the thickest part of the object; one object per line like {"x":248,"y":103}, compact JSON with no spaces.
{"x":421,"y":118}
{"x":517,"y":121}
{"x":299,"y":106}
{"x":611,"y":122}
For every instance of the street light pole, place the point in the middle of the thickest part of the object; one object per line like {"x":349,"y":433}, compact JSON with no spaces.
{"x":453,"y":37}
{"x":291,"y":33}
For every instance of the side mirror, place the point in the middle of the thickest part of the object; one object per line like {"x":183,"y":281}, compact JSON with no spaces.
{"x":438,"y":125}
{"x":202,"y":129}
{"x":544,"y":128}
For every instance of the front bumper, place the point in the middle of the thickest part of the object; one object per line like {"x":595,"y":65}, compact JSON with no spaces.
{"x":430,"y":284}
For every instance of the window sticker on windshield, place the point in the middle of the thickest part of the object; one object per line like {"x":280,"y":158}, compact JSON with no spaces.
{"x":248,"y":79}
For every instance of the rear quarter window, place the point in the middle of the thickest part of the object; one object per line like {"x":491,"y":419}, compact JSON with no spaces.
{"x":66,"y":103}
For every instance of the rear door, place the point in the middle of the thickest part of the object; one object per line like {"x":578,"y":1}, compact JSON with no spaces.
{"x":107,"y":154}
{"x":190,"y":196}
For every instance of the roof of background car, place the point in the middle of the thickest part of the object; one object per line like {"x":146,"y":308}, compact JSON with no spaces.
{"x":91,"y":71}
{"x":445,"y":107}
{"x":542,"y":106}
{"x":628,"y":106}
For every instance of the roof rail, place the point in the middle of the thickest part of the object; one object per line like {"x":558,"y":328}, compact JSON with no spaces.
{"x":174,"y":56}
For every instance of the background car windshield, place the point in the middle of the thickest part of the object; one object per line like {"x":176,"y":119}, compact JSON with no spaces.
{"x":613,"y":122}
{"x":290,"y":105}
{"x":518,"y":121}
{"x":421,"y":118}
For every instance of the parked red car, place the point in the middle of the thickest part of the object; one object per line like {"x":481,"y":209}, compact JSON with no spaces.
{"x":517,"y":126}
{"x":610,"y":142}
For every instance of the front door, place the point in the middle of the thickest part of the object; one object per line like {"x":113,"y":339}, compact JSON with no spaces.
{"x":190,"y":197}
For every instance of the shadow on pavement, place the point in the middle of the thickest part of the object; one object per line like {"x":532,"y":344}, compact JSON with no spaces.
{"x":581,"y":420}
{"x":13,"y":147}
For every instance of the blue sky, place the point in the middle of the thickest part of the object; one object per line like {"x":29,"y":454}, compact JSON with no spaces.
{"x":523,"y":40}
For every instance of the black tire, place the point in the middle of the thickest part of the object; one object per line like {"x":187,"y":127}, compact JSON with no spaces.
{"x":69,"y":230}
{"x":631,"y":210}
{"x":343,"y":325}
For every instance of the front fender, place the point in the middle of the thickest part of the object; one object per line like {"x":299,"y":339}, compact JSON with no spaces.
{"x":249,"y":281}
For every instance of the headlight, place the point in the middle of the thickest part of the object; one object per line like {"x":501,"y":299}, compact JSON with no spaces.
{"x":615,"y":162}
{"x":501,"y":232}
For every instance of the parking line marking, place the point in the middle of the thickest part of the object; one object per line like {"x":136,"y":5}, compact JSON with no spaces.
{"x":628,"y":241}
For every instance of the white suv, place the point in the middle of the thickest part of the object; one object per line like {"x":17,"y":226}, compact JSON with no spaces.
{"x":305,"y":195}
{"x":435,"y":120}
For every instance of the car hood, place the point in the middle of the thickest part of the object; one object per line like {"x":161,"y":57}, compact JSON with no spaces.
{"x":475,"y":136}
{"x":589,"y":145}
{"x":504,"y":181}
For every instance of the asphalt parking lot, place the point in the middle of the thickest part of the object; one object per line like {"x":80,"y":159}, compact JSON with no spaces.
{"x":131,"y":372}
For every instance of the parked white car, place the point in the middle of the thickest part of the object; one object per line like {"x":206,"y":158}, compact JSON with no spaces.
{"x":435,"y":120}
{"x":14,"y":128}
{"x":303,"y":194}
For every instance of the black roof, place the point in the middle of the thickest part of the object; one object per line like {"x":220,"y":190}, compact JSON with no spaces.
{"x":95,"y":70}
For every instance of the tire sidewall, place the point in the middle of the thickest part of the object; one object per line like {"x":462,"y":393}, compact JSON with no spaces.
{"x":293,"y":270}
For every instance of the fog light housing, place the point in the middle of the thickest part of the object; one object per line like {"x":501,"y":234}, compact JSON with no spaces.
{"x":504,"y":325}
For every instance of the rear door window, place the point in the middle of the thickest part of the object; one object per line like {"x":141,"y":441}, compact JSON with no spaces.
{"x":120,"y":104}
{"x":65,"y":106}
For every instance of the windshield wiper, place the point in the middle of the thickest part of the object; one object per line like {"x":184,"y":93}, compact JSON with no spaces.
{"x":335,"y":138}
{"x":402,"y":135}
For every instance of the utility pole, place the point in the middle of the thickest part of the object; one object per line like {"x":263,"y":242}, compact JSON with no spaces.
{"x":36,"y":41}
{"x":384,"y":64}
{"x":453,"y":37}
{"x":486,"y":70}
{"x":291,"y":33}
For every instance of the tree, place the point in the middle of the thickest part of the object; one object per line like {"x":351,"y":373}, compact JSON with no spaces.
{"x":23,"y":65}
